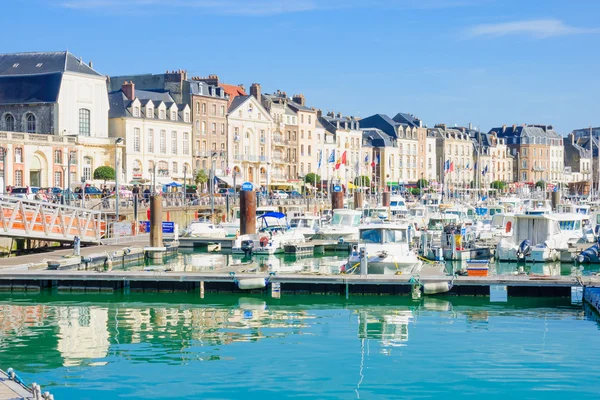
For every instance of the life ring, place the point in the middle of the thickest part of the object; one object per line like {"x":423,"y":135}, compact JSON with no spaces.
{"x":264,"y":241}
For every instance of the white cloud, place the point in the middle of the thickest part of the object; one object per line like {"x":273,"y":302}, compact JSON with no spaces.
{"x":253,"y":7}
{"x":538,"y":28}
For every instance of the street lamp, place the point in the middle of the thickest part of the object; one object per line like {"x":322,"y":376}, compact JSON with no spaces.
{"x":69,"y":163}
{"x":153,"y":172}
{"x":184,"y":184}
{"x":117,"y":142}
{"x":3,"y":149}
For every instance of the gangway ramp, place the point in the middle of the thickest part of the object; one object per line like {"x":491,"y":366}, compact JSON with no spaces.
{"x":39,"y":220}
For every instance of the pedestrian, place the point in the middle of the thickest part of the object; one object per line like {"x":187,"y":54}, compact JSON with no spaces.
{"x":136,"y":193}
{"x":105,"y":196}
{"x":147,"y":196}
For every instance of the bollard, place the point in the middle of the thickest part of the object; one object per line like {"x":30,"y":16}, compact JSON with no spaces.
{"x":386,"y":199}
{"x":364,"y":261}
{"x":247,"y":212}
{"x":77,"y":246}
{"x":358,"y":200}
{"x":337,"y":200}
{"x":156,"y":239}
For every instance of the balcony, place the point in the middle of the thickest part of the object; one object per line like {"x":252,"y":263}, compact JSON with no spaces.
{"x":280,"y":159}
{"x":263,"y":158}
{"x":246,"y":158}
{"x":279,"y":177}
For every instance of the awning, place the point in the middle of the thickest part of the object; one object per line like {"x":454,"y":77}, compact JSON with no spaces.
{"x":351,"y":186}
{"x":228,"y":180}
{"x":174,"y":184}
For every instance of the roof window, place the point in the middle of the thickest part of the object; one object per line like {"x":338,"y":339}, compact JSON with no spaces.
{"x":15,"y":65}
{"x":39,"y":65}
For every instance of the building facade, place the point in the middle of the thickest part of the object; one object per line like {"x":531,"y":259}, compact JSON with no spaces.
{"x":454,"y":151}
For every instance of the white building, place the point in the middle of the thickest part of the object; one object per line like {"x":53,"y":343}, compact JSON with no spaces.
{"x":157,"y":134}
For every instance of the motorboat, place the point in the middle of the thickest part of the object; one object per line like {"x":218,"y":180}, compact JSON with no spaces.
{"x":387,"y":248}
{"x":575,"y":227}
{"x":398,"y":206}
{"x":233,"y":226}
{"x":344,"y":226}
{"x":308,"y":225}
{"x":536,"y":238}
{"x":273,"y":234}
{"x":374,"y":214}
{"x":204,"y":229}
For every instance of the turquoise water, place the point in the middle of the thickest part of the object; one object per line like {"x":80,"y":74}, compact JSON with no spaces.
{"x":221,"y":347}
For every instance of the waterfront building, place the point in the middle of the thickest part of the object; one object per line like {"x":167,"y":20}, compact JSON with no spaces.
{"x":403,"y":166}
{"x":538,"y":151}
{"x":455,"y":155}
{"x":492,"y":158}
{"x":414,"y":129}
{"x":283,"y":144}
{"x":578,"y":163}
{"x":581,"y":138}
{"x":380,"y":152}
{"x":431,"y":164}
{"x":343,"y":138}
{"x":250,"y":137}
{"x":53,"y":116}
{"x":157,"y":133}
{"x":310,"y":141}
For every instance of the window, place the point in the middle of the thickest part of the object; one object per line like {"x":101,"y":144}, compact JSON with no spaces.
{"x":197,"y":107}
{"x":309,"y":168}
{"x":18,"y":156}
{"x":301,"y":149}
{"x":57,"y":156}
{"x":204,"y":108}
{"x":222,"y":129}
{"x":310,"y":135}
{"x":161,"y":114}
{"x":301,"y":118}
{"x":214,"y":109}
{"x":240,"y":113}
{"x":87,"y":168}
{"x":173,"y":115}
{"x":173,"y":142}
{"x":150,"y":140}
{"x":525,"y":152}
{"x":186,"y":143}
{"x":309,"y":119}
{"x":222,"y":111}
{"x":174,"y":169}
{"x":18,"y":178}
{"x":31,"y":123}
{"x":163,"y":142}
{"x":149,"y":112}
{"x":309,"y":151}
{"x":186,"y":116}
{"x":136,"y":111}
{"x":214,"y":128}
{"x":136,"y":139}
{"x":204,"y":127}
{"x":302,"y":168}
{"x":302,"y":134}
{"x":58,"y":179}
{"x":9,"y":122}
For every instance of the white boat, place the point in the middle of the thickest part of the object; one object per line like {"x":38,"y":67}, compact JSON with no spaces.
{"x":536,"y":238}
{"x":375,"y":214}
{"x":308,"y":225}
{"x":398,"y":206}
{"x":233,"y":227}
{"x":574,"y":227}
{"x":387,"y":249}
{"x":272,"y":236}
{"x":344,"y":226}
{"x":203,"y":229}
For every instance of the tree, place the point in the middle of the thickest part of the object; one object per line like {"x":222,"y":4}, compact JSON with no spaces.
{"x":362,"y":180}
{"x":415,"y":191}
{"x":105,"y":173}
{"x":498,"y":185}
{"x":422,"y":183}
{"x":541,"y":184}
{"x":201,"y":178}
{"x":312,"y":178}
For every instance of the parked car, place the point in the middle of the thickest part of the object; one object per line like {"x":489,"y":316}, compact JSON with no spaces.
{"x":93,"y":191}
{"x":279,"y":194}
{"x":25,"y":192}
{"x":294,"y":194}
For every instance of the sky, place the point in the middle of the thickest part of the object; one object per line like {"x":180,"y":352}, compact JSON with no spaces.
{"x":485,"y":62}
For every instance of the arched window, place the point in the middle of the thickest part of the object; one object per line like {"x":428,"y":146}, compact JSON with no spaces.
{"x":87,"y":168}
{"x":30,"y":123}
{"x":9,"y":122}
{"x":84,"y":122}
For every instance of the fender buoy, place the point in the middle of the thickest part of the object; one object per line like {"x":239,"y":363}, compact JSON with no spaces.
{"x":264,"y":241}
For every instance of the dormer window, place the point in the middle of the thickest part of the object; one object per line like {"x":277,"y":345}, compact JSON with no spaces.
{"x":136,"y":111}
{"x":161,"y":114}
{"x":186,"y":116}
{"x":149,"y":112}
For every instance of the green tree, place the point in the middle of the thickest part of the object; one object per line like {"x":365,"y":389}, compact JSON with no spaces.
{"x":415,"y":191}
{"x":422,"y":183}
{"x":312,"y":178}
{"x":201,"y":178}
{"x":498,"y":185}
{"x":362,"y":180}
{"x":105,"y":173}
{"x":541,"y":184}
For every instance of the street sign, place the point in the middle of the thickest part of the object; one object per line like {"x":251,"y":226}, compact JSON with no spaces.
{"x":167,"y":227}
{"x":247,"y":186}
{"x":337,"y":188}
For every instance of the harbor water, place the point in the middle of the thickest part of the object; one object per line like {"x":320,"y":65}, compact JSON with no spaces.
{"x":155,"y":346}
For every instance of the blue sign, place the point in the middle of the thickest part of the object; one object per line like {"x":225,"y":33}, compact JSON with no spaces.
{"x":247,"y":186}
{"x":337,"y":188}
{"x":463,"y":231}
{"x":167,"y":227}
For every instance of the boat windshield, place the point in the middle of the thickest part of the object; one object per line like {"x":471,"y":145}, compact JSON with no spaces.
{"x":345,"y":219}
{"x":583,"y":210}
{"x":382,"y":236}
{"x":397,"y":203}
{"x":303,"y":223}
{"x":569,"y":225}
{"x":435,"y":224}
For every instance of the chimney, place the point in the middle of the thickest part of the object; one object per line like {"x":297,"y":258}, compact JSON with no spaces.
{"x":503,"y":128}
{"x":470,"y":126}
{"x":514,"y":127}
{"x":299,"y":99}
{"x":255,"y":91}
{"x":319,"y":113}
{"x":339,"y":115}
{"x":91,"y":65}
{"x":241,"y":86}
{"x":128,"y":90}
{"x":211,"y":80}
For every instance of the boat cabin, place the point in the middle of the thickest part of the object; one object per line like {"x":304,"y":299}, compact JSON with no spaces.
{"x":345,"y":217}
{"x":384,"y":234}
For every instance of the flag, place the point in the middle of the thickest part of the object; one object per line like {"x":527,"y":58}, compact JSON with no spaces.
{"x":357,"y":167}
{"x":451,"y":169}
{"x":475,"y":167}
{"x":367,"y":159}
{"x":331,"y":157}
{"x":485,"y":170}
{"x":320,"y":157}
{"x":342,"y":160}
{"x":468,"y":168}
{"x":390,"y":162}
{"x":375,"y":161}
{"x":446,"y":165}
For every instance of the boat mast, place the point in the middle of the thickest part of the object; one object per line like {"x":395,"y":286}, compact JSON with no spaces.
{"x":591,"y":165}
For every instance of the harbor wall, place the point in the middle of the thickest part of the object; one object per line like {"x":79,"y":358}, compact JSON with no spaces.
{"x":592,"y":297}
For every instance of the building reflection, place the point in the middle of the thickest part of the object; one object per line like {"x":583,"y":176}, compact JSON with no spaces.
{"x":82,"y":334}
{"x":388,"y":326}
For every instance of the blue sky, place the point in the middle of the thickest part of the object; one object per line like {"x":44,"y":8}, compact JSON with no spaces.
{"x":488,"y":62}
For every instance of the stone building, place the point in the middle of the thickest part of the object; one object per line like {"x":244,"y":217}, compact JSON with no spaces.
{"x":578,"y":158}
{"x":282,"y":145}
{"x":157,"y":133}
{"x":53,"y":108}
{"x":454,"y":151}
